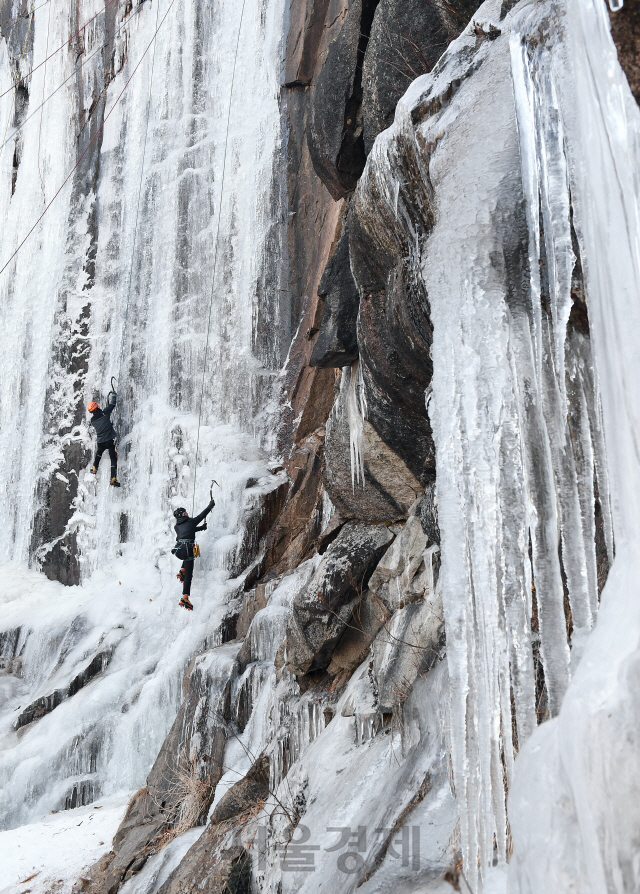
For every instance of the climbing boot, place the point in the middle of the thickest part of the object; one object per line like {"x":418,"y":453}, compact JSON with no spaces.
{"x":93,"y":470}
{"x":180,"y":575}
{"x":115,"y":482}
{"x":185,"y":603}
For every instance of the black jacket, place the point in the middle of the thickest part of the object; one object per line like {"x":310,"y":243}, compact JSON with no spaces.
{"x":186,"y":527}
{"x":101,"y":421}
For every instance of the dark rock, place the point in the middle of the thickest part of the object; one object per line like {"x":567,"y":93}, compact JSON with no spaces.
{"x":389,"y":488}
{"x":329,"y":533}
{"x":293,"y":537}
{"x":210,"y":868}
{"x":507,"y":6}
{"x":47,"y":703}
{"x":369,"y":615}
{"x":184,"y":776}
{"x":335,"y":135}
{"x":323,"y":608}
{"x":407,"y":39}
{"x":394,"y":339}
{"x":54,"y":546}
{"x":337,"y":343}
{"x":246,"y":796}
{"x":211,"y":865}
{"x":428,"y":513}
{"x":625,"y":30}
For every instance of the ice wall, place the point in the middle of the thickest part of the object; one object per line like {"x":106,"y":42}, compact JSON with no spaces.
{"x":574,"y":805}
{"x":473,"y":185}
{"x":117,"y":279}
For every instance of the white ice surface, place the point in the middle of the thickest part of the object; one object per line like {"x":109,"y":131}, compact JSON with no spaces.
{"x":151,"y":218}
{"x":575,"y":804}
{"x":160,"y":866}
{"x":49,"y":856}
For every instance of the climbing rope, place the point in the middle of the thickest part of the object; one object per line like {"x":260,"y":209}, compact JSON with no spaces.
{"x":215,"y":255}
{"x":135,"y":228}
{"x":44,"y":61}
{"x":93,"y":139}
{"x":75,"y":71}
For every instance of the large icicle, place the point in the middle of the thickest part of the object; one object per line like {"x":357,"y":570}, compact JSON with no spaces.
{"x":575,"y":810}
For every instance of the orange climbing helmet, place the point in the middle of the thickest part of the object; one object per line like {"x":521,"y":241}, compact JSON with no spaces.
{"x":92,"y":407}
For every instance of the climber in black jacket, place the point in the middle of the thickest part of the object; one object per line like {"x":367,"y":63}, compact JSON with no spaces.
{"x":186,"y":529}
{"x":101,"y":421}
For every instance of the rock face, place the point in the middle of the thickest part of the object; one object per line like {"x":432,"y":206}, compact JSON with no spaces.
{"x":322,"y":610}
{"x":384,"y":487}
{"x":394,"y":336}
{"x":182,"y":781}
{"x":337,"y":343}
{"x":428,"y":511}
{"x":336,"y":140}
{"x":213,"y":865}
{"x":407,"y":39}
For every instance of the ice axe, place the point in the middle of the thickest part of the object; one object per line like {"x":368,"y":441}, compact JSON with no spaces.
{"x":213,"y":481}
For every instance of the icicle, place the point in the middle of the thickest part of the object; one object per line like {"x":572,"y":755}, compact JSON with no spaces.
{"x":356,"y":406}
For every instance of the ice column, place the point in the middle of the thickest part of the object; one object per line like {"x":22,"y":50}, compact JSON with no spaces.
{"x":574,"y":806}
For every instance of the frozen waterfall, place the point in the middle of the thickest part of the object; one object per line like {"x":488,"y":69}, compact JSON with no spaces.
{"x":131,"y":236}
{"x":143,"y":193}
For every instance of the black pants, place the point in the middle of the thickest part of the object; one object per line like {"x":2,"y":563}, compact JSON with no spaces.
{"x":187,"y":567}
{"x":113,"y":453}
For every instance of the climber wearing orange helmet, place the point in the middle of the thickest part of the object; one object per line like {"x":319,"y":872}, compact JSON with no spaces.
{"x":101,"y":421}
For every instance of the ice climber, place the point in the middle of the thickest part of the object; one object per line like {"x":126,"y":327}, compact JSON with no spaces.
{"x":101,"y":421}
{"x":186,"y":529}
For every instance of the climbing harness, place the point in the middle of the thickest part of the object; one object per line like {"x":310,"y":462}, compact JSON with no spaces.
{"x":135,"y":228}
{"x":91,"y":142}
{"x":186,"y":550}
{"x":215,"y":255}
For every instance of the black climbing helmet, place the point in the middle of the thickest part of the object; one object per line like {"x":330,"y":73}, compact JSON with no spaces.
{"x":180,"y":513}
